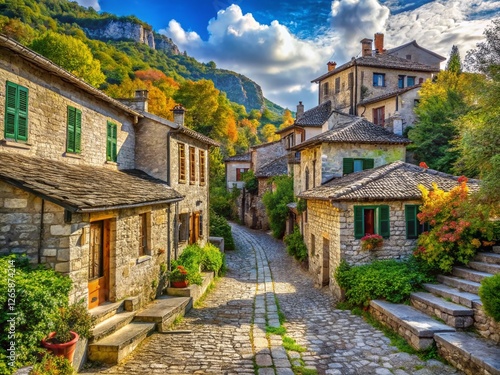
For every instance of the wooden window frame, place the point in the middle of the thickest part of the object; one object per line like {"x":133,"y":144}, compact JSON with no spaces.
{"x":401,"y":81}
{"x":381,"y":222}
{"x":413,"y":80}
{"x":202,"y":166}
{"x":111,"y":142}
{"x":378,"y":115}
{"x":144,"y":234}
{"x":376,"y":80}
{"x":16,"y":112}
{"x":183,"y":223}
{"x":74,"y":130}
{"x":348,"y":164}
{"x":192,"y":165}
{"x":239,"y":173}
{"x":337,"y":85}
{"x":326,"y":89}
{"x":413,"y":226}
{"x":181,"y":147}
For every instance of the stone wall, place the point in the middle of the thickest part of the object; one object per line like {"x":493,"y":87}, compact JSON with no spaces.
{"x":263,"y":154}
{"x":48,"y":98}
{"x":418,"y":55}
{"x":231,"y":173}
{"x":485,"y":325}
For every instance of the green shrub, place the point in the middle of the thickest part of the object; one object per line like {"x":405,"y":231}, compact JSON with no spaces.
{"x":276,"y":204}
{"x":385,"y":279}
{"x":40,"y":293}
{"x":212,"y":258}
{"x":219,"y":227}
{"x":191,"y":258}
{"x":489,"y":292}
{"x":251,"y":182}
{"x":295,"y":245}
{"x":52,"y":365}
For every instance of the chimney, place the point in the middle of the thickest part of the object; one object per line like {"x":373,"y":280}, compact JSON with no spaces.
{"x":141,"y":100}
{"x":366,"y":47}
{"x":331,"y":65}
{"x":379,"y":43}
{"x":179,"y":112}
{"x":397,"y":123}
{"x":300,"y":110}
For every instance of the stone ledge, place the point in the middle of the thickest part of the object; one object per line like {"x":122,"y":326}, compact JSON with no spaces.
{"x":193,"y":291}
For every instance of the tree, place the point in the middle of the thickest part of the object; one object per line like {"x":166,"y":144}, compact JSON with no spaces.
{"x":486,"y":57}
{"x":71,"y":54}
{"x":287,"y":119}
{"x":276,"y":203}
{"x":454,"y":63}
{"x":268,"y":131}
{"x":201,"y":102}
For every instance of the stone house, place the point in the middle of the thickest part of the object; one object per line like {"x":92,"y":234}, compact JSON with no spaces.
{"x":374,"y":75}
{"x":77,"y":190}
{"x":235,"y":167}
{"x":383,"y":200}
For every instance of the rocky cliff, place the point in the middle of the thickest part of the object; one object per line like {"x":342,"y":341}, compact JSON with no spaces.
{"x":239,"y":89}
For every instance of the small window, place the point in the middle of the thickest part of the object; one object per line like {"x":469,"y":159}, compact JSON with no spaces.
{"x":371,"y":220}
{"x":408,"y":57}
{"x":378,"y":116}
{"x":326,"y":89}
{"x":350,"y":80}
{"x":313,"y":245}
{"x":74,"y":123}
{"x":182,"y":162}
{"x":337,"y":85}
{"x":378,"y":79}
{"x":183,"y":227}
{"x":144,"y":234}
{"x":192,"y":165}
{"x":413,"y":226}
{"x":410,"y":81}
{"x":111,"y":149}
{"x":306,"y":178}
{"x":202,"y":167}
{"x":16,"y":112}
{"x":351,"y":165}
{"x":401,"y":82}
{"x":239,"y":173}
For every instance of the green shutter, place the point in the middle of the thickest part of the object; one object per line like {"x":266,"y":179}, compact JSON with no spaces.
{"x":348,"y":166}
{"x":114,"y":138}
{"x":10,"y":110}
{"x":78,"y":131}
{"x":358,"y":222}
{"x":384,"y":221}
{"x":108,"y":141}
{"x":70,"y":147}
{"x":368,"y":163}
{"x":111,"y":150}
{"x":22,"y":114}
{"x":411,"y":221}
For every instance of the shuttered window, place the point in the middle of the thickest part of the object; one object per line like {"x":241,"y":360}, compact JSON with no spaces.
{"x":413,"y":226}
{"x":16,"y":112}
{"x":111,"y":150}
{"x":182,"y":162}
{"x":371,"y":220}
{"x":192,"y":165}
{"x":74,"y":120}
{"x":202,"y":167}
{"x":351,"y":165}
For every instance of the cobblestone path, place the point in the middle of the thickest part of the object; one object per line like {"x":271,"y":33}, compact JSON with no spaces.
{"x":228,"y":329}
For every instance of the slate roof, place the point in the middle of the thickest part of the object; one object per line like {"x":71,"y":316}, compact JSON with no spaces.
{"x":83,"y":188}
{"x":276,"y":167}
{"x":382,"y":60}
{"x":242,"y":157}
{"x":359,"y":130}
{"x":389,"y":95}
{"x":414,"y":42}
{"x":395,"y":181}
{"x":316,"y":116}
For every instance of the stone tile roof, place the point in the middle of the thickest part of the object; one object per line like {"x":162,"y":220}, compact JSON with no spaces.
{"x":316,"y":116}
{"x":385,"y":61}
{"x":243,"y":157}
{"x":359,"y":130}
{"x":276,"y":167}
{"x":389,"y":95}
{"x":414,"y":43}
{"x":395,"y":181}
{"x":83,"y":188}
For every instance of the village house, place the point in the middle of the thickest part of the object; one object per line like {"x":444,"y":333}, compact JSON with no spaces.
{"x":86,"y":182}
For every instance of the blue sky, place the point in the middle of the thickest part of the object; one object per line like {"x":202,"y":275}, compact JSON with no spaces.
{"x":283,"y":45}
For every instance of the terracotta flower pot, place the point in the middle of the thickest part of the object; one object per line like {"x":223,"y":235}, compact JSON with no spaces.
{"x":180,"y":284}
{"x":65,"y":349}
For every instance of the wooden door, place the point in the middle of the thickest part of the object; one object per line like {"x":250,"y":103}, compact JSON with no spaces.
{"x":98,"y":263}
{"x":194,"y":227}
{"x":325,"y":269}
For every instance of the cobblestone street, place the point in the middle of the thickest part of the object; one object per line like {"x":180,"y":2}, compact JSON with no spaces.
{"x":226,"y":333}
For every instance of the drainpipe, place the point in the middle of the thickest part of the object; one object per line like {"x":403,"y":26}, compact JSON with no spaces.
{"x":40,"y":240}
{"x":169,"y":248}
{"x":397,"y":102}
{"x":355,"y":88}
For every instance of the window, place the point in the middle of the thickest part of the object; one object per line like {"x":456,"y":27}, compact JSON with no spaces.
{"x":200,"y":229}
{"x":192,"y":165}
{"x":410,"y":81}
{"x":182,"y":162}
{"x":313,"y":245}
{"x":306,"y":178}
{"x":413,"y":226}
{"x":239,"y":173}
{"x":314,"y":174}
{"x":350,"y":80}
{"x":351,"y":165}
{"x":183,"y":227}
{"x":378,"y":79}
{"x":401,"y":82}
{"x":144,"y":224}
{"x":290,"y":141}
{"x":202,"y":167}
{"x":408,"y":57}
{"x":326,"y":89}
{"x":337,"y":85}
{"x":111,"y":142}
{"x":371,"y":220}
{"x":74,"y":130}
{"x":16,"y":112}
{"x":378,"y":116}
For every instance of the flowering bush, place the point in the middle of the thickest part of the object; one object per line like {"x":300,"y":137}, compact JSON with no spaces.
{"x":458,"y":226}
{"x":371,"y":241}
{"x":179,"y":273}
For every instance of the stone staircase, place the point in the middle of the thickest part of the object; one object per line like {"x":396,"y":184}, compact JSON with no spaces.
{"x":450,"y":314}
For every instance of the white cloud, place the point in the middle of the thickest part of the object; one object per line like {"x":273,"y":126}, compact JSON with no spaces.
{"x":90,"y":3}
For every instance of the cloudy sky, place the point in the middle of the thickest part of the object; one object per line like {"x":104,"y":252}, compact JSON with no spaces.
{"x":283,"y":45}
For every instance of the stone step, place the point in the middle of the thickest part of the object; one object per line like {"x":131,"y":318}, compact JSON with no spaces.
{"x":454,"y":315}
{"x":105,"y":311}
{"x":485,"y":267}
{"x":468,"y":274}
{"x":111,"y":325}
{"x":163,"y":311}
{"x":496,"y":249}
{"x":461,"y":284}
{"x":416,"y":327}
{"x":488,"y":258}
{"x":469,"y":353}
{"x":113,"y":348}
{"x":455,"y":295}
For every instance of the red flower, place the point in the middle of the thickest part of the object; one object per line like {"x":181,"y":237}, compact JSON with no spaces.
{"x":462,"y":179}
{"x":423,"y":165}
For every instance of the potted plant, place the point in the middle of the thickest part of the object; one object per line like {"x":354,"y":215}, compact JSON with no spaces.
{"x":72,"y":322}
{"x":371,"y":242}
{"x":179,"y":277}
